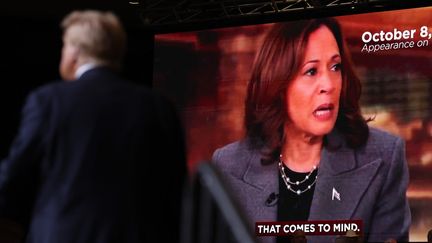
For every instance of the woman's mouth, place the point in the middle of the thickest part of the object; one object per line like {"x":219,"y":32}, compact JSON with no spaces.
{"x":324,"y":112}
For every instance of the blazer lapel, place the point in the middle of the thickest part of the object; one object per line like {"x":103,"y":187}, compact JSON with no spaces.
{"x":340,"y":185}
{"x":264,"y":178}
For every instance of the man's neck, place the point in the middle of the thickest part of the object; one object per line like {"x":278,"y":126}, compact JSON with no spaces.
{"x":84,"y":68}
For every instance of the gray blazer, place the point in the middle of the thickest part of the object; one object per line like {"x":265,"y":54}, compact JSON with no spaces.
{"x":372,"y":182}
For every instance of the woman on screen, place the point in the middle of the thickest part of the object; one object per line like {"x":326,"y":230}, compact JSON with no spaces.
{"x":308,"y":153}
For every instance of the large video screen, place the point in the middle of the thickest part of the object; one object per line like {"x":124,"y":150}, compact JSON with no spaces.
{"x":206,"y":73}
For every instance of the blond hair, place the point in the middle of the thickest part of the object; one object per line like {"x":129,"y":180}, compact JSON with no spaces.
{"x":99,"y":36}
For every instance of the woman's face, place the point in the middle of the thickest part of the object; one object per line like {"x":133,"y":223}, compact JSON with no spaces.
{"x":313,"y":95}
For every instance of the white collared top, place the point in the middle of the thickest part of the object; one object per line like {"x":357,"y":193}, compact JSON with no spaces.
{"x":84,"y":68}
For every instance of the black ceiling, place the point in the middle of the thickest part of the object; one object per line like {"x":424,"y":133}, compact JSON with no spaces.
{"x":178,"y":13}
{"x":53,"y":9}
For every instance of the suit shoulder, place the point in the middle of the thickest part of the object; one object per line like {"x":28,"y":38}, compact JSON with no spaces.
{"x":45,"y":92}
{"x":381,"y":144}
{"x":48,"y":88}
{"x":381,"y":138}
{"x":236,"y":148}
{"x":233,"y":157}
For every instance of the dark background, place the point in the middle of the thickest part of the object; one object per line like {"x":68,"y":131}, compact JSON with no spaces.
{"x":30,"y":49}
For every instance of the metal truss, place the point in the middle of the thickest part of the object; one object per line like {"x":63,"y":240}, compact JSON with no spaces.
{"x":175,"y":12}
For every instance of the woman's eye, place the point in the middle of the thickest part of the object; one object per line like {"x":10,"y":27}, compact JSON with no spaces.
{"x":336,"y":67}
{"x":311,"y":72}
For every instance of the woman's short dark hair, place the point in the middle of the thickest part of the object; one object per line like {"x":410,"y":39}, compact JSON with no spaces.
{"x":276,"y":64}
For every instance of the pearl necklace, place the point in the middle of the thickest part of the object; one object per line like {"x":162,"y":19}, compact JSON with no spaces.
{"x":289,"y":182}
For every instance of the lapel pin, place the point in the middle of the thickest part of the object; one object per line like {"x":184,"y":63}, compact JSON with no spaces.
{"x":335,"y":194}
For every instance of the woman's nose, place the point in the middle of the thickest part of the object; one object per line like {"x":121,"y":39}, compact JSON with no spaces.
{"x":327,"y":83}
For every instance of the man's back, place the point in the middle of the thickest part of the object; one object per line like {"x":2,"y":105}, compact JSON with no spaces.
{"x":99,"y":149}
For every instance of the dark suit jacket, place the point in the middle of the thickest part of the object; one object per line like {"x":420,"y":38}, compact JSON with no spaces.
{"x":371,"y":180}
{"x":89,"y":162}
